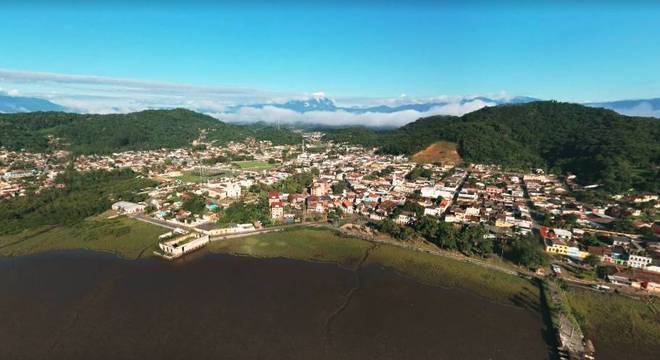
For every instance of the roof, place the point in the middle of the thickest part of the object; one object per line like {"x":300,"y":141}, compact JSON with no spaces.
{"x":599,"y":250}
{"x":273,"y":194}
{"x":641,"y":275}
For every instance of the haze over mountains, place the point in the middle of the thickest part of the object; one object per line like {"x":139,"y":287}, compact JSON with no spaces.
{"x":321,"y":111}
{"x":16,"y":104}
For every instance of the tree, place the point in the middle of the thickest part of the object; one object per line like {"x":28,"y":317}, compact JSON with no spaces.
{"x":592,"y":260}
{"x":339,"y":187}
{"x":486,"y":246}
{"x":418,"y":172}
{"x":196,"y":204}
{"x":591,"y":240}
{"x":623,"y":225}
{"x":446,"y":236}
{"x":527,"y":252}
{"x":570,"y":219}
{"x":427,"y":227}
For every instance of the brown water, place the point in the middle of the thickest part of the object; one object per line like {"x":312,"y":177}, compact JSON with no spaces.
{"x":85,"y":305}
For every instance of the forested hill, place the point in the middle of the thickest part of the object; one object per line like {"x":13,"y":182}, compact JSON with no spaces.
{"x":151,"y":129}
{"x":598,"y":145}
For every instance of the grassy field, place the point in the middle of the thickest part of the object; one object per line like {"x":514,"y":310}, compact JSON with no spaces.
{"x":325,"y":245}
{"x":191,"y":177}
{"x":253,"y":165}
{"x":613,"y":321}
{"x":300,"y":244}
{"x":123,"y":236}
{"x":442,"y":271}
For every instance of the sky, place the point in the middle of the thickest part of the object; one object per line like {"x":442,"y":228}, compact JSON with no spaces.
{"x":596,"y":51}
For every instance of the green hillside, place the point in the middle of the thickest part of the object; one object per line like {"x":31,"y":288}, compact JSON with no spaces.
{"x":151,"y":129}
{"x":599,"y":146}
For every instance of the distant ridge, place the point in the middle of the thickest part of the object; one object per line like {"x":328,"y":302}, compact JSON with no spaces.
{"x":17,"y":104}
{"x":322,"y":103}
{"x":144,"y":130}
{"x":640,"y":107}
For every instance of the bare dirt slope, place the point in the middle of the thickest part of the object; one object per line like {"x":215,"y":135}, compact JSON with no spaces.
{"x":443,"y":152}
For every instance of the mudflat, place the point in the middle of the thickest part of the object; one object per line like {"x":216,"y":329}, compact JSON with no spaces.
{"x":82,"y":305}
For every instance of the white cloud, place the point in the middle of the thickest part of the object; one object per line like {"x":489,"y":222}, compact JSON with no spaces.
{"x":13,"y":92}
{"x":271,"y":114}
{"x":95,"y":94}
{"x":642,"y":109}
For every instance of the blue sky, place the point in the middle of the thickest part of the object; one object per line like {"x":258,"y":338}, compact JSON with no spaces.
{"x":590,"y":52}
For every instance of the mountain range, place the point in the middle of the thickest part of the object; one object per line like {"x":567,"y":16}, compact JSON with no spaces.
{"x":17,"y":104}
{"x":322,"y":104}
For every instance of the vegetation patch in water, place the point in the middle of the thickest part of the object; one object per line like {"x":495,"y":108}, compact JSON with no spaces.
{"x":123,"y":236}
{"x":616,"y":322}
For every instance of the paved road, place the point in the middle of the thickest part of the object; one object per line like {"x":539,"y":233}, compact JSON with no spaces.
{"x":161,"y":223}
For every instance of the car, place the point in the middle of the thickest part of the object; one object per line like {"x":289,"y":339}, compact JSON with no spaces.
{"x":556,"y":269}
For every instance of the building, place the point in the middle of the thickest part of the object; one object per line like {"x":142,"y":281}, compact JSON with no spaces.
{"x":321,"y":188}
{"x":277,"y":211}
{"x":232,"y":190}
{"x":126,"y":207}
{"x":18,"y":174}
{"x":604,"y":253}
{"x":212,"y":229}
{"x":555,"y":246}
{"x":273,"y":197}
{"x":638,"y":262}
{"x":180,"y":246}
{"x":640,"y":279}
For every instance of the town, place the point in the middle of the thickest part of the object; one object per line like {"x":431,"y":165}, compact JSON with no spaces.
{"x":207,"y":192}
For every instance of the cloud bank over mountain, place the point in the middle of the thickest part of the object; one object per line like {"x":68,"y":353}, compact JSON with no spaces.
{"x":327,"y":114}
{"x":38,"y":91}
{"x":643,"y":107}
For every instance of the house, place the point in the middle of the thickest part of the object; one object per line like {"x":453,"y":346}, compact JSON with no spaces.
{"x":127,"y":207}
{"x":433,"y":211}
{"x":604,"y":253}
{"x":277,"y":211}
{"x":273,"y":197}
{"x":550,"y":233}
{"x":321,"y":188}
{"x":620,"y":241}
{"x":18,"y":174}
{"x":405,"y":218}
{"x":502,"y":222}
{"x":640,"y":279}
{"x":555,"y":246}
{"x":430,"y":192}
{"x":232,"y":190}
{"x":347,"y":207}
{"x":637,"y":261}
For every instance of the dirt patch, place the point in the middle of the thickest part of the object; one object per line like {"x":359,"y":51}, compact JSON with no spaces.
{"x":443,"y":152}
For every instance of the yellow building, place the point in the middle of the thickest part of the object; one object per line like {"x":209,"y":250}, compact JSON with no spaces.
{"x":556,"y":247}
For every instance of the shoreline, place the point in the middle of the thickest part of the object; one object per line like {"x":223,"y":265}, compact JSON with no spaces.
{"x":325,"y":246}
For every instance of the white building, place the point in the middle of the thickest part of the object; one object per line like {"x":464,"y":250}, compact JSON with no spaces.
{"x":232,"y":190}
{"x":277,"y":211}
{"x":127,"y":207}
{"x":178,"y":247}
{"x":430,"y":192}
{"x":638,"y":262}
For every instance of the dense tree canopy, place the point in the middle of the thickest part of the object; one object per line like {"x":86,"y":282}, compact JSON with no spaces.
{"x":144,"y":130}
{"x":82,"y":195}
